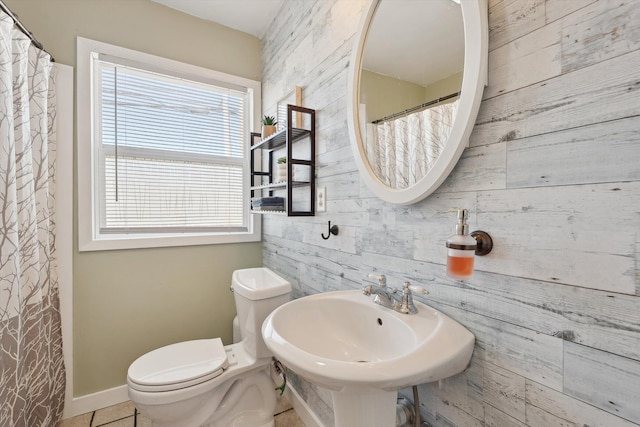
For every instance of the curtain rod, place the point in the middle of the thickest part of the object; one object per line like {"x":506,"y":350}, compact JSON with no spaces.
{"x":416,"y":108}
{"x":22,"y":28}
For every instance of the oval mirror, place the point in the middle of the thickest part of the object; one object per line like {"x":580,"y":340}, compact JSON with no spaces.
{"x":416,"y":80}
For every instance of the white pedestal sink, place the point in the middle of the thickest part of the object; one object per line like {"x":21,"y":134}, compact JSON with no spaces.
{"x":364,"y":352}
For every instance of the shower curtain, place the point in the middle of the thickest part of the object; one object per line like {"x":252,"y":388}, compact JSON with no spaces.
{"x":403,"y":150}
{"x":32,"y":377}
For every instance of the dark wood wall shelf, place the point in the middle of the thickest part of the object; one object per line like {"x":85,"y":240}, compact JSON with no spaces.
{"x":279,"y":139}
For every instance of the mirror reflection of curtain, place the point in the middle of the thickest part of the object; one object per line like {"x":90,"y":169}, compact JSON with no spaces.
{"x":403,"y":150}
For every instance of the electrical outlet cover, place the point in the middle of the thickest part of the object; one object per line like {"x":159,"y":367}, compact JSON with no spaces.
{"x":321,"y":200}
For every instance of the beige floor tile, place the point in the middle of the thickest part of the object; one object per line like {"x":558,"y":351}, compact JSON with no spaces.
{"x":282,"y":405}
{"x":288,"y":419}
{"x":124,"y":422}
{"x":122,"y":416}
{"x":143,"y":421}
{"x":285,"y":419}
{"x":113,"y":413}
{"x":79,"y":421}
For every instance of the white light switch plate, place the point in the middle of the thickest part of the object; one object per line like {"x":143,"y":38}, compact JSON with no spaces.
{"x":321,"y":199}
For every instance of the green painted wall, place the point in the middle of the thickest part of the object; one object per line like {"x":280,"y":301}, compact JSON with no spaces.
{"x":129,"y":302}
{"x":443,"y":87}
{"x":385,"y":95}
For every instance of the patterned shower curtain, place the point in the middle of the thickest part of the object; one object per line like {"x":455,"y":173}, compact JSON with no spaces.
{"x":403,"y":150}
{"x":32,"y":377}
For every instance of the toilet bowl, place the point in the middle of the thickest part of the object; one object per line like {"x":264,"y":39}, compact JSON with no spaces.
{"x":203,"y":383}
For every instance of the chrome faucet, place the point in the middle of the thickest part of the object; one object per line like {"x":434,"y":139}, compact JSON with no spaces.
{"x":381,"y":294}
{"x":400,"y":301}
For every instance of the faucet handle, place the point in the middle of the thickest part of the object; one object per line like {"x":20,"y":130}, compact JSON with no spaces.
{"x":382,"y":279}
{"x":406,"y":303}
{"x":416,"y":289}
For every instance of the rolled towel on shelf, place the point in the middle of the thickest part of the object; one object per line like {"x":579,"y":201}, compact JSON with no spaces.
{"x":267,"y":203}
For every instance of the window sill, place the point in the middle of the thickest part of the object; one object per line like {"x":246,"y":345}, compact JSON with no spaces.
{"x":138,"y":241}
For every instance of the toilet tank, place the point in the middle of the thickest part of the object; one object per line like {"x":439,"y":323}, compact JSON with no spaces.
{"x":257,"y":292}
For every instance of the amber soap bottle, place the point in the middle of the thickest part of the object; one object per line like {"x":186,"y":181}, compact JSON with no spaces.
{"x":461,"y":249}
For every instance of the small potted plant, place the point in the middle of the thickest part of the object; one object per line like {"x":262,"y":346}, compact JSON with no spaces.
{"x":268,"y":126}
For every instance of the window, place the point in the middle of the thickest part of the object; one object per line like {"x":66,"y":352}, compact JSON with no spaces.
{"x":162,"y":151}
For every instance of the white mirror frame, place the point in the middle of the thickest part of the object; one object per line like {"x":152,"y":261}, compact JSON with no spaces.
{"x":474,"y":79}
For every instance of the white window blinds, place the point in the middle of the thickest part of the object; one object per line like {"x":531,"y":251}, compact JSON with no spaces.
{"x":170,"y":153}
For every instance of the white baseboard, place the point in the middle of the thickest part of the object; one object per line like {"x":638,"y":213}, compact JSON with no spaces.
{"x":308,"y":417}
{"x":93,"y":402}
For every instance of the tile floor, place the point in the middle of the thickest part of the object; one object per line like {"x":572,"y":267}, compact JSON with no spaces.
{"x":125,"y":415}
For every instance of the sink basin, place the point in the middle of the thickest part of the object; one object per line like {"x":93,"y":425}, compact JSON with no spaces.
{"x":341,"y":339}
{"x":345,"y":342}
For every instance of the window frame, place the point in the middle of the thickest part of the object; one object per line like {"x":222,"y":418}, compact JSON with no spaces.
{"x":89,"y":236}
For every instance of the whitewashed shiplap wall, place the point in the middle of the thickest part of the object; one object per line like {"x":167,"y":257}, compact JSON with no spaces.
{"x":552,"y":172}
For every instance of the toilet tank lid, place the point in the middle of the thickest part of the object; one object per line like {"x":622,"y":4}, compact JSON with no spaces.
{"x":259,"y":283}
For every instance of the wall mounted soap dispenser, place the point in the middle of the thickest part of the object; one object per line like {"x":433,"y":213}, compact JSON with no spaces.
{"x":462,"y":248}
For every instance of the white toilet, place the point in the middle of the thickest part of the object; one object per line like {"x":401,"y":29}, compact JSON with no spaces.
{"x":201,"y":383}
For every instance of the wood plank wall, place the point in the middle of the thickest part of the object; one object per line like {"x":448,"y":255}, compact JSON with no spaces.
{"x":552,"y":173}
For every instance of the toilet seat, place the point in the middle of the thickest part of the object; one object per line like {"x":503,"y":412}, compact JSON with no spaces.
{"x":178,"y":365}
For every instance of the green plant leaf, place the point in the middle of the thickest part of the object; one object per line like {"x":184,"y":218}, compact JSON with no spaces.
{"x":269,"y":121}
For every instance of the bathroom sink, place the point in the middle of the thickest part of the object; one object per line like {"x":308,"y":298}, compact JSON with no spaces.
{"x":364,"y":352}
{"x":343,"y":339}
